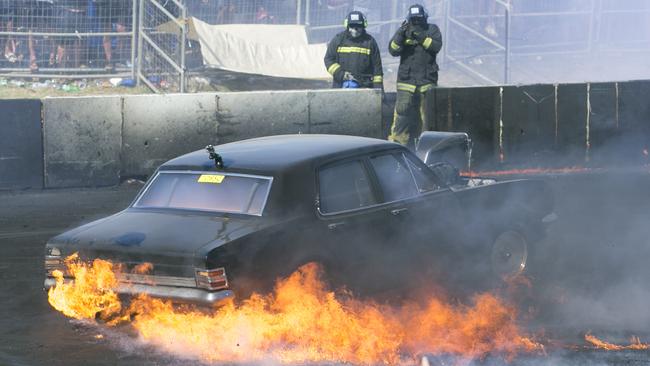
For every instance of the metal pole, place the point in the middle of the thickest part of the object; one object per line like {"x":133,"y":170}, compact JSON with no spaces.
{"x":506,"y":74}
{"x":307,"y":12}
{"x":184,"y":30}
{"x":298,"y":10}
{"x":140,"y":33}
{"x":446,"y":31}
{"x":134,"y":33}
{"x":393,"y":15}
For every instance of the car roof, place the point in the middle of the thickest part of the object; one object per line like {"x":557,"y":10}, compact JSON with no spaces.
{"x":275,"y":154}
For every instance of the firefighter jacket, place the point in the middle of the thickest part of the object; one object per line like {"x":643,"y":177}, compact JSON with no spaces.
{"x":417,"y":49}
{"x":358,"y":56}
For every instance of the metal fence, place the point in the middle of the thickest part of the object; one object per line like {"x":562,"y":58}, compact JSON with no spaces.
{"x":74,"y":38}
{"x":162,"y":41}
{"x":483,"y":37}
{"x":148,"y":39}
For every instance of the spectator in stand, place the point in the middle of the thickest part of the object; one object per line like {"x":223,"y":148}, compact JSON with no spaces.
{"x":205,"y":10}
{"x":228,"y":14}
{"x":7,"y":21}
{"x":263,"y":16}
{"x":72,"y":20}
{"x":106,"y":14}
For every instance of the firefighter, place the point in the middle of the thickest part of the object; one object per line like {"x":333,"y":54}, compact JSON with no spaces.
{"x":417,"y":43}
{"x":353,"y":57}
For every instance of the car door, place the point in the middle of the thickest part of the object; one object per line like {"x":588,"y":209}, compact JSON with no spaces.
{"x":421,"y":214}
{"x":352,"y":221}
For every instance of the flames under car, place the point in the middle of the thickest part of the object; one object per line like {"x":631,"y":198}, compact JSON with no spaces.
{"x":212,"y":225}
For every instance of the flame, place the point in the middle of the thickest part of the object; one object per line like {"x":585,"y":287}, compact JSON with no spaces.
{"x":301,"y":321}
{"x":635,"y":344}
{"x":90,"y":294}
{"x":143,"y":268}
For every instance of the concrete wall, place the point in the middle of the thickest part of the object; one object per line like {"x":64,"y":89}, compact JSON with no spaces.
{"x":82,"y":141}
{"x":96,"y":141}
{"x":21,"y":146}
{"x":548,"y":126}
{"x":159,"y":127}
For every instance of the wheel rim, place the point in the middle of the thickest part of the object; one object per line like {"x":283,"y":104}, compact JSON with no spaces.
{"x":509,"y":254}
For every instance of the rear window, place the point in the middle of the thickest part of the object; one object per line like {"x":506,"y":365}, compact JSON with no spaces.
{"x":203,"y":191}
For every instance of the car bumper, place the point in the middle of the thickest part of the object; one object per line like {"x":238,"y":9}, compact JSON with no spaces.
{"x":178,"y":294}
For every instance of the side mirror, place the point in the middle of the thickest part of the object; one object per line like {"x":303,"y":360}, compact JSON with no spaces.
{"x":454,"y":148}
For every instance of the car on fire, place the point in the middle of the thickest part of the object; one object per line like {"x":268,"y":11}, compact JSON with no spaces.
{"x":375,"y":215}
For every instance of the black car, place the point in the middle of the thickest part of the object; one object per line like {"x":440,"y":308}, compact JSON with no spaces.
{"x":377,"y":217}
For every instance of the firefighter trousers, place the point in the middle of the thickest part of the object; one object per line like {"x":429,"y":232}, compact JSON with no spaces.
{"x":409,"y":119}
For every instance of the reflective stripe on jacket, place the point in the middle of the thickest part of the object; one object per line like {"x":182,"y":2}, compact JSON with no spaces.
{"x":417,"y":52}
{"x":358,"y":56}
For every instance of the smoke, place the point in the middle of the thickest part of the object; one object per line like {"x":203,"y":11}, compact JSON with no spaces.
{"x":594,"y":259}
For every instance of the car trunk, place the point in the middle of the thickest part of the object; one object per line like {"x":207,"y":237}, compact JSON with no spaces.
{"x":169,"y":240}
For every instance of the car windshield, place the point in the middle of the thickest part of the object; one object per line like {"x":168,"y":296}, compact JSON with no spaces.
{"x":204,"y":191}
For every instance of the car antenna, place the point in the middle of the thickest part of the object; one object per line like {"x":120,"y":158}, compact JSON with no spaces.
{"x":218,"y":161}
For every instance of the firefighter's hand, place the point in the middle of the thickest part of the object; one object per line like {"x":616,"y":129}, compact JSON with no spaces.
{"x":419,"y":36}
{"x":348,"y":76}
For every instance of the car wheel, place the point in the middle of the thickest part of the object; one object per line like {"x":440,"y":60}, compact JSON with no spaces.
{"x":509,"y":254}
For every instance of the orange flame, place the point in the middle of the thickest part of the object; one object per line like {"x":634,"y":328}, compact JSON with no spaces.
{"x":635,"y":344}
{"x":301,"y":321}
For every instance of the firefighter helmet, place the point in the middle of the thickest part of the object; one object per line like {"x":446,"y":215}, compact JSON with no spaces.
{"x":355,"y":19}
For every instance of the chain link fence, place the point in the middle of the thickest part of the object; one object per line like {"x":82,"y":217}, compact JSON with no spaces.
{"x":73,"y":38}
{"x":148,"y":39}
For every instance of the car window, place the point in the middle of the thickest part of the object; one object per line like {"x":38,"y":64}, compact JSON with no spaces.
{"x":423,"y":178}
{"x":394,"y":177}
{"x":207,"y":192}
{"x":344,"y":187}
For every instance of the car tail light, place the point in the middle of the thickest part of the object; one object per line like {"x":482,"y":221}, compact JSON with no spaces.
{"x":211,"y":279}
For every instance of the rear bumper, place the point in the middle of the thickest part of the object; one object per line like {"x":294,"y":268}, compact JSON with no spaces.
{"x":179,"y":294}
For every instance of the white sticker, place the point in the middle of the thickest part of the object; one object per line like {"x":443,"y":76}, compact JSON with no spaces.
{"x":354,"y":16}
{"x":415,"y":10}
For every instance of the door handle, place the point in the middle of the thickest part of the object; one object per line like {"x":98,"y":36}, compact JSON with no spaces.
{"x":398,"y":211}
{"x":336,"y":225}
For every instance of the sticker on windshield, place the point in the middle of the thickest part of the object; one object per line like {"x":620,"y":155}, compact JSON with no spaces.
{"x":211,"y":178}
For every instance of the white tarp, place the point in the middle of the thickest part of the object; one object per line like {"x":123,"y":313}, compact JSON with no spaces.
{"x":265,"y":49}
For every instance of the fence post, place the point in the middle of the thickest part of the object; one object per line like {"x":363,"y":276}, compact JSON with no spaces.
{"x":184,"y":31}
{"x":446,"y":35}
{"x":140,"y":32}
{"x":393,"y":15}
{"x":134,"y":43}
{"x":506,"y":75}
{"x":298,"y":10}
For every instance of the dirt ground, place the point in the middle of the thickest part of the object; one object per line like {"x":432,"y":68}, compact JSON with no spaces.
{"x":593,"y":278}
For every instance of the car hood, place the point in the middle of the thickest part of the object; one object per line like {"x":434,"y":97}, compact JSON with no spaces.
{"x":157,"y":232}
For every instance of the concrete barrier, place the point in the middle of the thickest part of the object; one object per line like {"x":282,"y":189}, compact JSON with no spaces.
{"x":471,"y":110}
{"x":21,"y":146}
{"x":254,"y":114}
{"x":528,"y":132}
{"x":634,"y":120}
{"x":96,"y":141}
{"x":160,"y":127}
{"x":346,"y":112}
{"x":82,"y":141}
